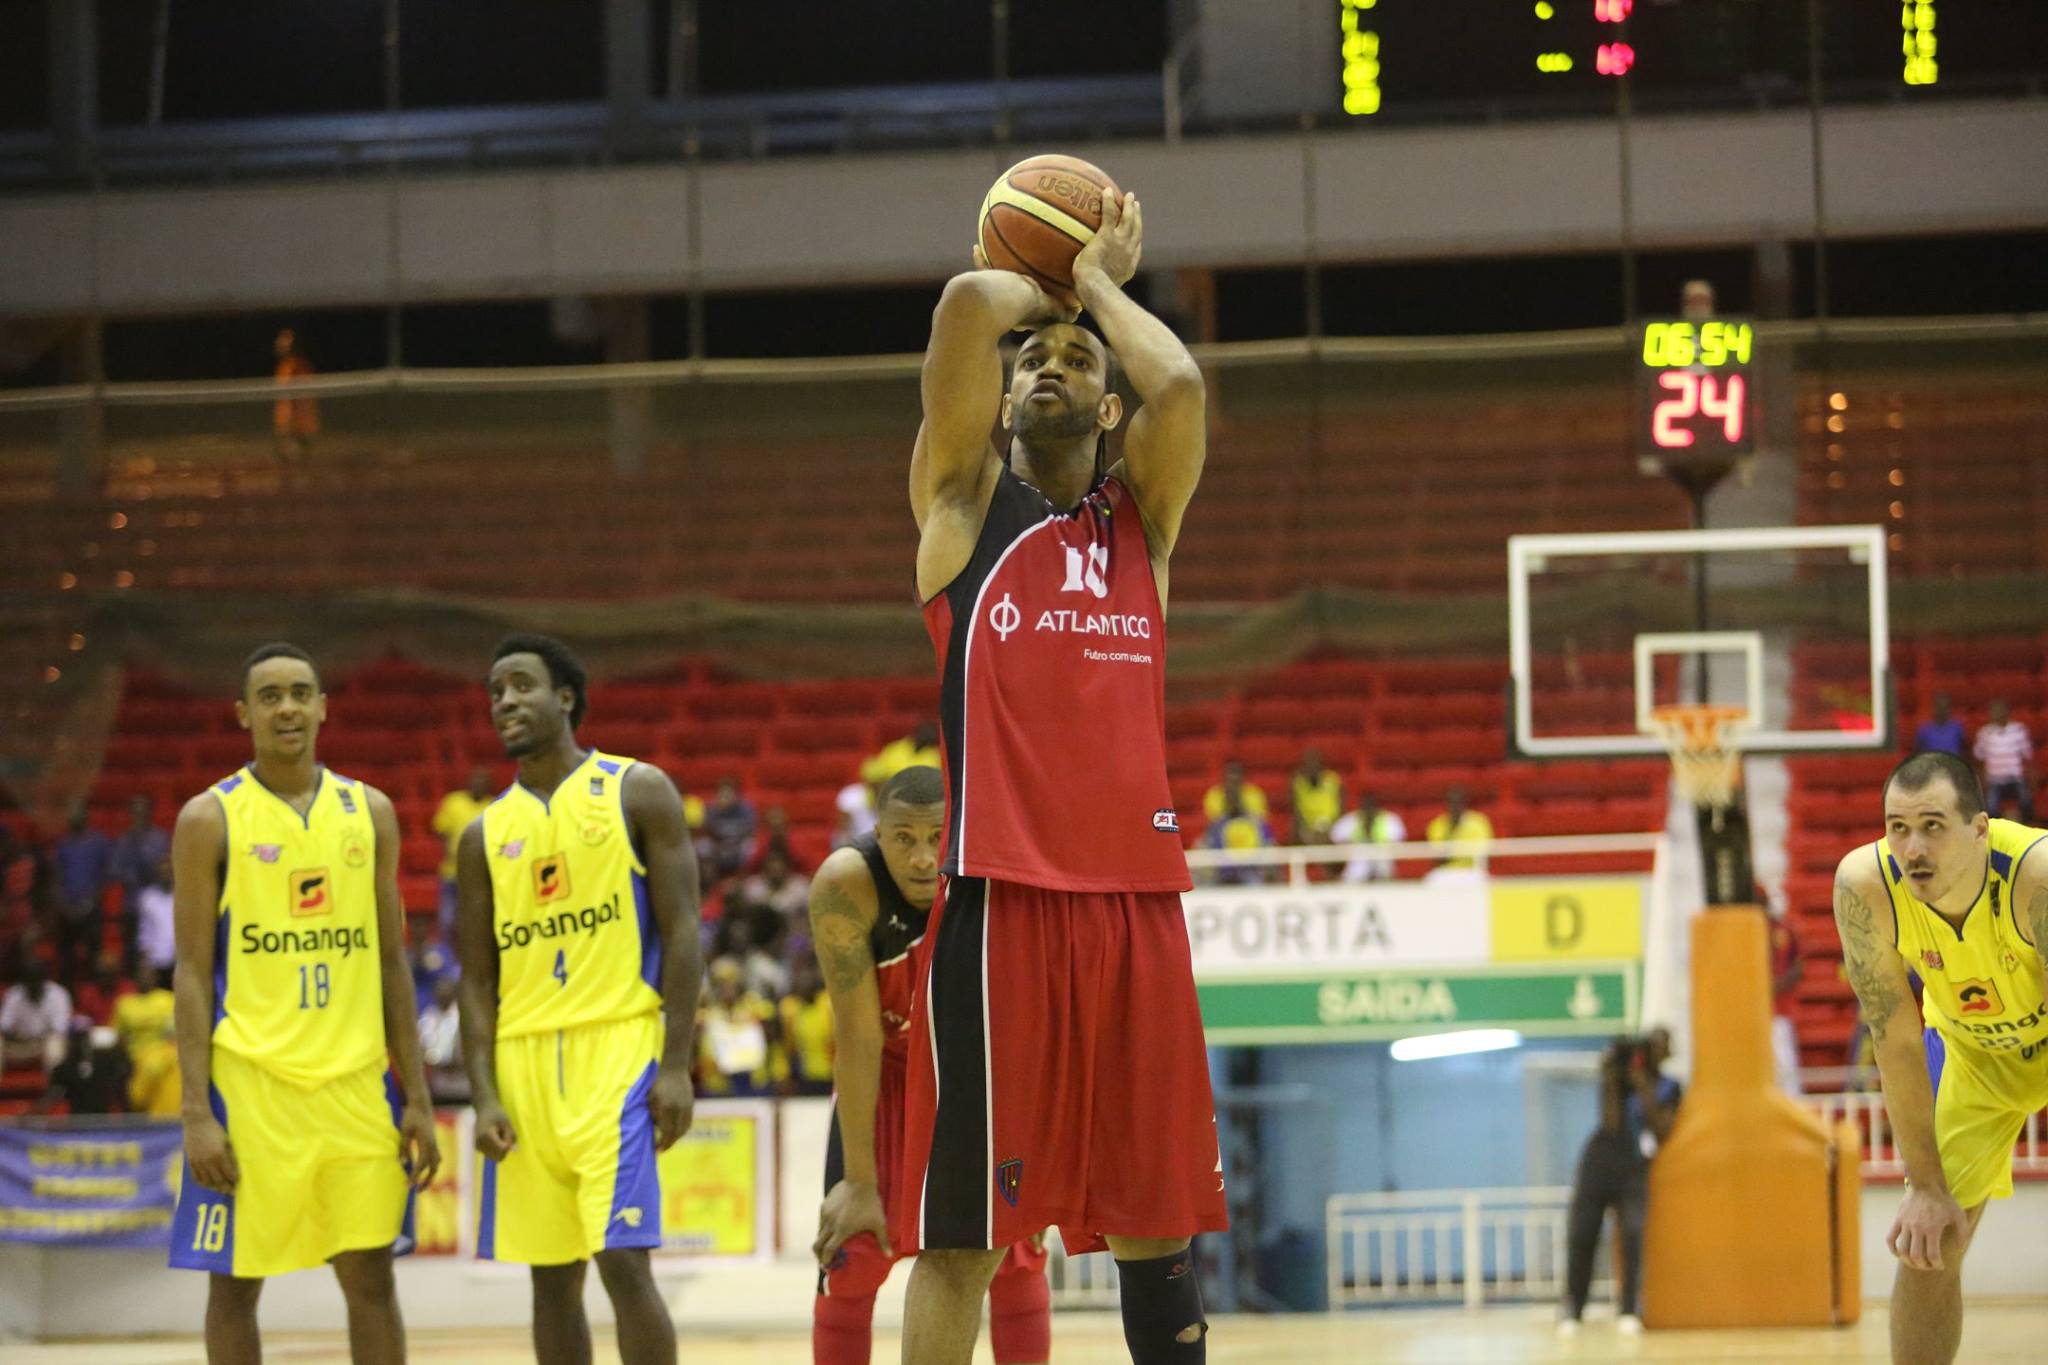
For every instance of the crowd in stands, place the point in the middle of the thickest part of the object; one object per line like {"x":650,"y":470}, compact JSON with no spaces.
{"x":86,"y":932}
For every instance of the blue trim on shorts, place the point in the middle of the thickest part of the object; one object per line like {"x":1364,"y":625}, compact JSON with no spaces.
{"x":650,"y":934}
{"x":408,"y":1233}
{"x":487,"y":1209}
{"x":193,"y":1202}
{"x":1937,"y":1058}
{"x":635,"y":1219}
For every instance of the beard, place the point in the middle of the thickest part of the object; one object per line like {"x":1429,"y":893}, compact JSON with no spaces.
{"x":1037,"y":426}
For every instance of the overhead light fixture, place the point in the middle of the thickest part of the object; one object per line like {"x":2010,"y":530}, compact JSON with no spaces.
{"x":1428,"y":1045}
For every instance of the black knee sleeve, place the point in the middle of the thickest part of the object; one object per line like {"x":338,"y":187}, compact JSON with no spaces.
{"x":1162,"y":1304}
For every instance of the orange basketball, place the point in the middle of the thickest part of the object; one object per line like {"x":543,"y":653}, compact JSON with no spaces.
{"x":1039,"y":215}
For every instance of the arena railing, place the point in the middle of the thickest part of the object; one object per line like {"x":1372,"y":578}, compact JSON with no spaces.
{"x":1448,"y":1246}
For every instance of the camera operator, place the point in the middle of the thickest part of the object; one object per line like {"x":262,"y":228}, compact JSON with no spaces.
{"x":1637,"y":1106}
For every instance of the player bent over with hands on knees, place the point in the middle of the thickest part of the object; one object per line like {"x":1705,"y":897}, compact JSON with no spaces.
{"x":1961,"y":899}
{"x":293,"y":1000}
{"x":1057,"y":1069}
{"x":576,"y":921}
{"x":869,"y":904}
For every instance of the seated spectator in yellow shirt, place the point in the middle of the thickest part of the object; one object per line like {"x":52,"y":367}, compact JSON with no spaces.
{"x":807,"y":1029}
{"x":1250,"y":799}
{"x":1459,"y":823}
{"x":738,"y":1036}
{"x":918,"y":749}
{"x":1239,"y":830}
{"x":1318,"y":799}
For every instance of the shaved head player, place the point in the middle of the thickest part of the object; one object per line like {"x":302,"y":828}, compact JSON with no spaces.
{"x":1057,"y":1068}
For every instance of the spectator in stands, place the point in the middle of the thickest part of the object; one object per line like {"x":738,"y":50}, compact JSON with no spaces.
{"x":1459,"y":823}
{"x":1696,"y":301}
{"x":92,"y":1078}
{"x":433,"y":963}
{"x":135,"y":857}
{"x":441,"y":1042}
{"x":1638,"y":1105}
{"x":2005,"y":754}
{"x":35,"y":1016}
{"x":856,"y":804}
{"x":779,"y":887}
{"x":918,"y":749}
{"x":1787,"y":966}
{"x":774,"y":839}
{"x":807,"y":1029}
{"x":94,"y":1001}
{"x":753,"y":935}
{"x":146,"y":1015}
{"x":294,"y":422}
{"x":1237,"y":830}
{"x":457,"y":811}
{"x":1318,"y":800}
{"x":155,"y":933}
{"x":1943,"y":733}
{"x":737,"y":1031}
{"x":80,"y":859}
{"x":1369,"y":824}
{"x":1250,"y":800}
{"x":730,"y":825}
{"x":145,"y":1024}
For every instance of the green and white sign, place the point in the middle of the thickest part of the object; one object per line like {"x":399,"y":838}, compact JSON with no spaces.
{"x":1365,"y":1006}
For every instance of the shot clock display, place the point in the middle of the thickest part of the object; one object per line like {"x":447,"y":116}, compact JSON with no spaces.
{"x":1695,"y":399}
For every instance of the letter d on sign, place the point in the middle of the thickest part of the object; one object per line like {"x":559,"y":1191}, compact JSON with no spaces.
{"x":1564,"y":922}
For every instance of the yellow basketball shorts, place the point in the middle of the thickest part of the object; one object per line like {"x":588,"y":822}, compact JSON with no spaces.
{"x":1981,"y":1102}
{"x":580,"y":1177}
{"x":320,"y":1174}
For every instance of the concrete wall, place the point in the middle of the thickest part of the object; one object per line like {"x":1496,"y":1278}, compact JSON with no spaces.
{"x":1375,"y":193}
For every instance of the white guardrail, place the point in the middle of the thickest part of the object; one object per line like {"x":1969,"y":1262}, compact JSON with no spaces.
{"x":1448,"y":1246}
{"x":1865,"y":1110}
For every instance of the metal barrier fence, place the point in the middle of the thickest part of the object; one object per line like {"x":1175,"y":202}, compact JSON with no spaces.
{"x":1448,"y":1246}
{"x":1881,"y":1161}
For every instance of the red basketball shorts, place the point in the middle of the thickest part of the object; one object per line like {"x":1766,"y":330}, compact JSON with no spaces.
{"x":860,"y":1267}
{"x":1057,"y":1074}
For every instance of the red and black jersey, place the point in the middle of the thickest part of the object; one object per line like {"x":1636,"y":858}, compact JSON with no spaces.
{"x":899,"y":926}
{"x":1052,"y":664}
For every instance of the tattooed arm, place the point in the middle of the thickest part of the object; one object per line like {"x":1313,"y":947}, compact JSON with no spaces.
{"x":1869,"y":929}
{"x":843,"y":910}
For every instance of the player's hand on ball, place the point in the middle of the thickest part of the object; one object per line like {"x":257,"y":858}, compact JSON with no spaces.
{"x":848,"y":1211}
{"x":1925,"y":1220}
{"x":674,"y":1103}
{"x":1117,"y":244}
{"x":210,"y":1155}
{"x":418,"y":1145}
{"x":494,"y":1135}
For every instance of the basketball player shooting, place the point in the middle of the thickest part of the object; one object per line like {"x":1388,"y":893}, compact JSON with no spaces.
{"x":1955,"y":896}
{"x":1057,"y":1068}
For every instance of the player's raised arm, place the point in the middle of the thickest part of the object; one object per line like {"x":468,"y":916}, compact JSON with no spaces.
{"x":1168,"y":438}
{"x":198,"y":846}
{"x":477,"y":951}
{"x":418,"y":1145}
{"x":1869,"y":930}
{"x":843,"y":911}
{"x":661,"y":834}
{"x":962,"y":382}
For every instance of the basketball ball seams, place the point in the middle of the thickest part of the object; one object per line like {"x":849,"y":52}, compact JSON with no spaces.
{"x":1022,"y":265}
{"x":1053,"y":216}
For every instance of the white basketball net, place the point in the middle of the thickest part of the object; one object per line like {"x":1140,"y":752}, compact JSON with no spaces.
{"x":1705,"y":755}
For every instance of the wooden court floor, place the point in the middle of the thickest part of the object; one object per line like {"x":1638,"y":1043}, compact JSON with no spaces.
{"x":1996,"y":1333}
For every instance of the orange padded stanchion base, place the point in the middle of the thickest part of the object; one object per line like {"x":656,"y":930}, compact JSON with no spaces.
{"x":1742,"y":1230}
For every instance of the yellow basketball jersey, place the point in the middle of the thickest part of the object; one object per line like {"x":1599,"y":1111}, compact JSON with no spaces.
{"x":1982,"y":981}
{"x":297,"y":985}
{"x":577,"y":942}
